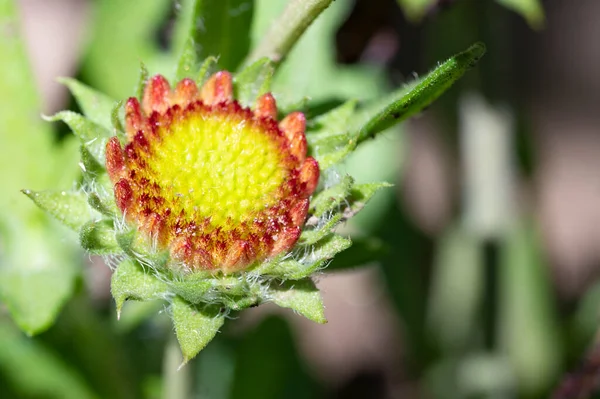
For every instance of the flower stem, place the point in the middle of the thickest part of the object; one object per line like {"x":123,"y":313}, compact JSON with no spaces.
{"x":176,"y":378}
{"x":287,"y":29}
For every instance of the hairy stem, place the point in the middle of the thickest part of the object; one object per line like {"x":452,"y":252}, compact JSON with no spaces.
{"x":287,"y":29}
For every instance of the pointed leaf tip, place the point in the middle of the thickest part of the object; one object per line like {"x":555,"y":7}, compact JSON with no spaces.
{"x":130,"y":281}
{"x":96,"y":106}
{"x":416,"y":96}
{"x":68,"y":207}
{"x":195,"y":326}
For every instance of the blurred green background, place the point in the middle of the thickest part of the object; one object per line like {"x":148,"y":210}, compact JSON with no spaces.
{"x":487,"y":246}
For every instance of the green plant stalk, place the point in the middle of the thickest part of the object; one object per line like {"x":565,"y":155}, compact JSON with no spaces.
{"x":176,"y":376}
{"x":287,"y":29}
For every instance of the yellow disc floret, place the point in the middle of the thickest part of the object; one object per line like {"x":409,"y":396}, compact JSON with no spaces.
{"x":218,"y":185}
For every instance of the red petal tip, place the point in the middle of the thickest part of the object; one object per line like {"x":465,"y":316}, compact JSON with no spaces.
{"x":218,"y":89}
{"x":293,"y":126}
{"x":266,"y":107}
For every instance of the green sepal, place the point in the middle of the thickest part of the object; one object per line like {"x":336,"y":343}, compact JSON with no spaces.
{"x":330,"y":137}
{"x":68,"y":207}
{"x":418,"y":95}
{"x":360,"y":194}
{"x":138,"y":248}
{"x":142,"y":81}
{"x":91,"y":134}
{"x":130,"y":281}
{"x":116,"y":119}
{"x":105,"y":206}
{"x":331,"y":198}
{"x":96,"y":106}
{"x":98,"y":237}
{"x":302,"y":296}
{"x":305,"y":264}
{"x":187,"y":63}
{"x":309,"y":237}
{"x":208,"y":67}
{"x":195,"y":326}
{"x":253,"y":81}
{"x":200,"y":287}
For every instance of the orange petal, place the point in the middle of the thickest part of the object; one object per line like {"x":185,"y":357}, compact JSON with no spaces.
{"x":293,"y":126}
{"x":115,"y":159}
{"x":123,"y":195}
{"x":298,"y":212}
{"x":218,"y":89}
{"x":286,"y":240}
{"x":185,"y":92}
{"x":134,"y":120}
{"x":309,"y":174}
{"x":266,"y":107}
{"x":156,"y":95}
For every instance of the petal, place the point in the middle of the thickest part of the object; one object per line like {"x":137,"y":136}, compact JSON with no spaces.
{"x":185,"y":92}
{"x":123,"y":195}
{"x":218,"y":89}
{"x":115,"y":159}
{"x":266,"y":107}
{"x":286,"y":240}
{"x":293,"y":126}
{"x":238,"y":256}
{"x":309,"y":174}
{"x":134,"y":120}
{"x":156,"y":95}
{"x":299,"y":211}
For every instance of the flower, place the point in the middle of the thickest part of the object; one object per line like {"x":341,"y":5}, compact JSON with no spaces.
{"x":220,"y":186}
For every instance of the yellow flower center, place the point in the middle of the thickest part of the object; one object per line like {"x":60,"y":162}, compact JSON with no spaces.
{"x":217,"y":165}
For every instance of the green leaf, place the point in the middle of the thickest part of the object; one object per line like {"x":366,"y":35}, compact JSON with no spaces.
{"x":528,"y":326}
{"x":457,"y":287}
{"x":37,"y":268}
{"x":302,"y":296}
{"x":531,"y":10}
{"x":34,"y":371}
{"x":97,"y":107}
{"x":130,"y":281}
{"x":415,"y":9}
{"x":420,"y":94}
{"x":333,"y":122}
{"x":331,"y":198}
{"x":221,"y":28}
{"x":123,"y":33}
{"x":98,"y":237}
{"x":363,"y":251}
{"x":195,"y":326}
{"x":253,"y":81}
{"x":92,"y":135}
{"x":37,"y":275}
{"x":68,"y":207}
